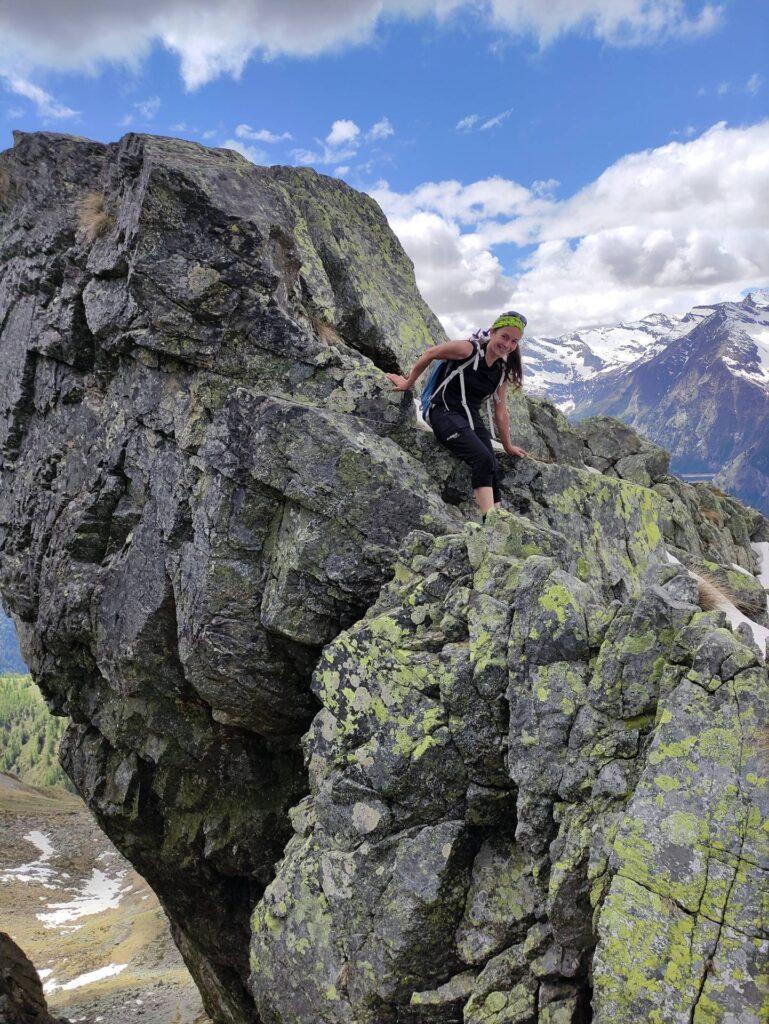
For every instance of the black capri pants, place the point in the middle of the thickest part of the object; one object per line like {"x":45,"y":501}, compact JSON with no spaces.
{"x":473,"y":446}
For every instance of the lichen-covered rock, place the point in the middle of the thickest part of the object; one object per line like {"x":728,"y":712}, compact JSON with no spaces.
{"x":198,"y":489}
{"x":478,"y":771}
{"x":618,"y":449}
{"x":21,"y":990}
{"x":206,"y":481}
{"x":684,"y":931}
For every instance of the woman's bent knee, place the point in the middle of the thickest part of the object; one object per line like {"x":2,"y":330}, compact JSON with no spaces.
{"x":484,"y":470}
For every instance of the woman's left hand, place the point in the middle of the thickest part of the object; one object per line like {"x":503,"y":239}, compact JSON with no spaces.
{"x":401,"y":384}
{"x":515,"y":450}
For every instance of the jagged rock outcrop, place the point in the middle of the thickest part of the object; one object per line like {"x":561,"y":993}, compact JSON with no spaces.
{"x":509,"y":770}
{"x":207,"y":485}
{"x":21,"y":990}
{"x":198,"y":489}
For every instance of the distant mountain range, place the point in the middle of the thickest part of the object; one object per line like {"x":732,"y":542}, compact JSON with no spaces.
{"x":696,"y":384}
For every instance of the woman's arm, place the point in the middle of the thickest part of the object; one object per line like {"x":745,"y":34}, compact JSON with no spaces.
{"x":447,"y":350}
{"x":502,"y":421}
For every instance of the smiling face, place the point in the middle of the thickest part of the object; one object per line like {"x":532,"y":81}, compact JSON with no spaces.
{"x":504,"y":340}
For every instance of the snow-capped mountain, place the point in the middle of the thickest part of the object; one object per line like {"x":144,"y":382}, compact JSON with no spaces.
{"x":556,"y":367}
{"x":696,"y":384}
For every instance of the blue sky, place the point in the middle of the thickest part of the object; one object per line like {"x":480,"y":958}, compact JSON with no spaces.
{"x":517,"y":117}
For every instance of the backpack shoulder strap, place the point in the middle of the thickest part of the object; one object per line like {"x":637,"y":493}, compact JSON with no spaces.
{"x":471,"y":360}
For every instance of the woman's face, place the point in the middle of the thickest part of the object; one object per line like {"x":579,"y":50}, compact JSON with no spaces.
{"x":505,"y":340}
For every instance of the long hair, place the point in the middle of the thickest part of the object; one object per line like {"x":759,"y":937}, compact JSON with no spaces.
{"x":514,"y":367}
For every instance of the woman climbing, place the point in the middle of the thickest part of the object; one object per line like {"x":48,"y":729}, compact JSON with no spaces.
{"x":469,"y":373}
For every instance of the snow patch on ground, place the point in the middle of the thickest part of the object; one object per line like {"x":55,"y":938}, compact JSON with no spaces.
{"x":760,"y":338}
{"x":36,"y":871}
{"x":93,"y":895}
{"x":741,"y":568}
{"x":735,"y":617}
{"x":99,"y":893}
{"x":761,"y":548}
{"x":84,"y":979}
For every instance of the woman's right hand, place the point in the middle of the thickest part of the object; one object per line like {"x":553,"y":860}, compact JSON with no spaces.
{"x":401,"y":384}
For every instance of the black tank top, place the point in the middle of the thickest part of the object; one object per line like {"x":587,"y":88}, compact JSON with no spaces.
{"x":480,"y":383}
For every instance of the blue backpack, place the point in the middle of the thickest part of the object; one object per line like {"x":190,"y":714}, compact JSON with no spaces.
{"x":431,"y":383}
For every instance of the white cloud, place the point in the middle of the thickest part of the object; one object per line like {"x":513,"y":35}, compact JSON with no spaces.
{"x":467,"y":123}
{"x":218,"y":37}
{"x":465,"y":204}
{"x":381,"y":130}
{"x":339,"y":171}
{"x":544,"y":189}
{"x":148,"y":108}
{"x":320,"y":157}
{"x":459,"y":276}
{"x":619,"y":22}
{"x":145,"y":110}
{"x":685,"y":133}
{"x":340,"y":144}
{"x":751,"y":87}
{"x":343,"y":133}
{"x":662,"y":229}
{"x":256,"y":156}
{"x":754,"y":83}
{"x":307,"y":156}
{"x":474,"y":122}
{"x":45,"y":104}
{"x":244,"y":131}
{"x":494,"y":122}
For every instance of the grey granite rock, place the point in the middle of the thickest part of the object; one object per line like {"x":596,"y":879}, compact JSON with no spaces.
{"x":222,"y":531}
{"x":21,"y":990}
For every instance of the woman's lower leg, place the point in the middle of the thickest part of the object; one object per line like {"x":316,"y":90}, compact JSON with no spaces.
{"x":485,"y":498}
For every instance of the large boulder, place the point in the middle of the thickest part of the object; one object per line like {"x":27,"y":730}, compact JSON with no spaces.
{"x":207,"y":480}
{"x":21,"y":990}
{"x":198,"y":489}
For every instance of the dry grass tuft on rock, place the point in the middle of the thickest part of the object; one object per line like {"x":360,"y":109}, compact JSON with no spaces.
{"x":327,"y":334}
{"x":712,"y":516}
{"x":712,"y":593}
{"x":93,"y":218}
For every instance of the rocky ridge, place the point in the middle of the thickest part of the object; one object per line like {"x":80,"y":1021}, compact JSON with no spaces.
{"x":207,"y":485}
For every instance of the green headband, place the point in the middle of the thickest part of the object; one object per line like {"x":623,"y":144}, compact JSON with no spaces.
{"x":509,"y":321}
